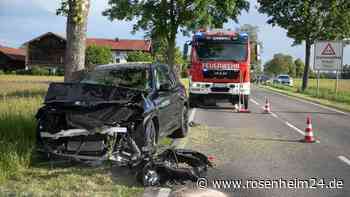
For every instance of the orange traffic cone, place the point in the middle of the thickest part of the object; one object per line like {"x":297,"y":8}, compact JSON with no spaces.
{"x":267,"y":107}
{"x":309,"y":135}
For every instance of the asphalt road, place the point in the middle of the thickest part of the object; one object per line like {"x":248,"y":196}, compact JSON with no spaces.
{"x":265,"y":148}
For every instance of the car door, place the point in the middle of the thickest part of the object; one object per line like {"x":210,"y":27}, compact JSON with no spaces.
{"x":178,"y":97}
{"x":165,"y":100}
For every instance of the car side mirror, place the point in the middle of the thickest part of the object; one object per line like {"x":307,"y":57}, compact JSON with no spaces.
{"x":164,"y":87}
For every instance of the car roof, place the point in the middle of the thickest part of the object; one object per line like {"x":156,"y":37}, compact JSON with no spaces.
{"x":124,"y":65}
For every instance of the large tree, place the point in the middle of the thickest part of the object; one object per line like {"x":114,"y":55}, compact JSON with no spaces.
{"x":308,"y":21}
{"x":280,"y":64}
{"x":77,"y":14}
{"x":163,"y":19}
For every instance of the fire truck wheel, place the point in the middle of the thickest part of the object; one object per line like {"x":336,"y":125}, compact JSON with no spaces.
{"x":234,"y":100}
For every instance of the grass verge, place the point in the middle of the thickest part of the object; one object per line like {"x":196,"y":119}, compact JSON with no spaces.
{"x":291,"y":92}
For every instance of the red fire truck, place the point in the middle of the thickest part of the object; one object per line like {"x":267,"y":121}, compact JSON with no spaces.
{"x":219,"y":68}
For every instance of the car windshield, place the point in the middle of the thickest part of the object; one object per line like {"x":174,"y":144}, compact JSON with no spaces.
{"x":283,"y":77}
{"x":215,"y":50}
{"x":136,"y":78}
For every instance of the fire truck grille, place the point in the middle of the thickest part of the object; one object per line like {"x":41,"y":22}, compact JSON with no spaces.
{"x":218,"y":89}
{"x":221,"y":74}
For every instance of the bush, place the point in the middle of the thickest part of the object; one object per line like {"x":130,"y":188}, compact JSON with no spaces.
{"x":139,"y":56}
{"x":98,"y":55}
{"x":39,"y":71}
{"x":2,"y":72}
{"x":184,"y":71}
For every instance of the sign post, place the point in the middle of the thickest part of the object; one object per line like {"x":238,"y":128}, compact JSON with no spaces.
{"x":328,"y":57}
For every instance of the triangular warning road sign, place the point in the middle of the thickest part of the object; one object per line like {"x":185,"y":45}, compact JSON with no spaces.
{"x":328,"y":50}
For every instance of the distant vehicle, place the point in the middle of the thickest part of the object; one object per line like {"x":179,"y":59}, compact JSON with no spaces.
{"x":116,"y":111}
{"x":263,"y":79}
{"x":284,"y":80}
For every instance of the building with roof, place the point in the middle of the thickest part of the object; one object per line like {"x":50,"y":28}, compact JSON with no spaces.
{"x":49,"y":49}
{"x":12,"y":58}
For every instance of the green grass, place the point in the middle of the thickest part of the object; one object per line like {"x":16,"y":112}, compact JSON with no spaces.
{"x":326,"y":95}
{"x":21,"y":174}
{"x":326,"y":90}
{"x":17,"y":134}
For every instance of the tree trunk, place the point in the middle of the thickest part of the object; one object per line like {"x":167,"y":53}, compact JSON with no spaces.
{"x":171,"y":51}
{"x":76,"y":38}
{"x":172,"y":37}
{"x":307,"y":65}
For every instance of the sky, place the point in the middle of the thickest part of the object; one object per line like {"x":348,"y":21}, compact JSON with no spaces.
{"x":22,"y":20}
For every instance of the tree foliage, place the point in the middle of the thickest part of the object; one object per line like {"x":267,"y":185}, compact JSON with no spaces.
{"x":346,"y":72}
{"x":163,"y":19}
{"x":77,"y":10}
{"x":97,"y":55}
{"x":139,"y":56}
{"x":309,"y":20}
{"x":254,"y":39}
{"x":280,"y":64}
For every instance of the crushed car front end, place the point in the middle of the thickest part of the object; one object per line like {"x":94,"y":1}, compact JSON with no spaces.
{"x":92,"y":122}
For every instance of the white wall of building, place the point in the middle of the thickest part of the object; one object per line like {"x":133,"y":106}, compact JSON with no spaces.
{"x":119,"y":56}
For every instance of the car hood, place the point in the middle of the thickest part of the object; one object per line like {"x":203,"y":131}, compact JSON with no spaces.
{"x":80,"y":93}
{"x":91,"y":107}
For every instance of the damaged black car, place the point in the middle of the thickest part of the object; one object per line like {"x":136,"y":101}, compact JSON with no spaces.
{"x":116,"y":112}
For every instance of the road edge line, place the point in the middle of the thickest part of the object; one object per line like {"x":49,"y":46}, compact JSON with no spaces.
{"x":254,"y":101}
{"x":344,"y":159}
{"x":295,"y":128}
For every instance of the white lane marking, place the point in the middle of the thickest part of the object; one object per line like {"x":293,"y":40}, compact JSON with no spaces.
{"x":344,"y":159}
{"x":295,"y":128}
{"x":274,"y":115}
{"x":254,"y":101}
{"x":193,"y":113}
{"x":164,"y":192}
{"x":309,"y":102}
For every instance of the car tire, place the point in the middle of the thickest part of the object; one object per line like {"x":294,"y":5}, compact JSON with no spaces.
{"x":150,"y":137}
{"x":234,"y":100}
{"x":183,"y":130}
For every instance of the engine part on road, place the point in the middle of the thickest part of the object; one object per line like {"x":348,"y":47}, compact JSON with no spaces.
{"x":172,"y":166}
{"x":309,"y":135}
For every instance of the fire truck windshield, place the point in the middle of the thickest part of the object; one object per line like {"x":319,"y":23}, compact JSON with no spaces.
{"x":221,"y":50}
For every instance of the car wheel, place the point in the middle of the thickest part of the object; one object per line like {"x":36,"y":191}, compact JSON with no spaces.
{"x":183,"y":130}
{"x":151,"y":136}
